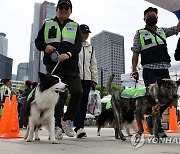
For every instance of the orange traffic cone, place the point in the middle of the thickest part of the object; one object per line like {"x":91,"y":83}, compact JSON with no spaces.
{"x":145,"y":128}
{"x":5,"y":118}
{"x":173,"y":125}
{"x":12,"y":130}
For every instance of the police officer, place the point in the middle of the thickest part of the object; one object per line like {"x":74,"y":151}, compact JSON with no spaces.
{"x":150,"y":43}
{"x":62,"y":36}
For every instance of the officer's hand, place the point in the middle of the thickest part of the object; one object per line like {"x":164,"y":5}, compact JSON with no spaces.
{"x":63,"y":57}
{"x":49,"y":49}
{"x":135,"y":75}
{"x":93,"y":85}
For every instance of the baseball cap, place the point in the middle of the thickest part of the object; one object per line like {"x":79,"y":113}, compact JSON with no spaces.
{"x":68,"y":2}
{"x":85,"y":28}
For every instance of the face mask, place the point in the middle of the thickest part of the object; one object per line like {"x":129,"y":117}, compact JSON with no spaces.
{"x":151,"y":21}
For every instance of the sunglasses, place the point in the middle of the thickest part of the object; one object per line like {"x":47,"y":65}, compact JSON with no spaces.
{"x":66,"y":7}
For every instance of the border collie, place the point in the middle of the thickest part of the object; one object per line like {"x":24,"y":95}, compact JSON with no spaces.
{"x":41,"y":107}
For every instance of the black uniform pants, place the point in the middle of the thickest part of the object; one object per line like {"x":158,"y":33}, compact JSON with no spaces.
{"x":75,"y":90}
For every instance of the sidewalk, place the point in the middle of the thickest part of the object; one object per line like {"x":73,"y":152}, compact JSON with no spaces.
{"x":93,"y":144}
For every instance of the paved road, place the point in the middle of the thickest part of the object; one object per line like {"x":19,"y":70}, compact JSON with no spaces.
{"x":105,"y":144}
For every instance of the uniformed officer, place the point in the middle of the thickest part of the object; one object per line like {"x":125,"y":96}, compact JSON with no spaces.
{"x":60,"y":40}
{"x":150,"y":43}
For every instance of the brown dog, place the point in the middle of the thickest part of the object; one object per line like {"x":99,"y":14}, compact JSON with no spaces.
{"x":158,"y":94}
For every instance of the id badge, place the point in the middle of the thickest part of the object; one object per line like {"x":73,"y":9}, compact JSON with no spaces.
{"x":147,"y":39}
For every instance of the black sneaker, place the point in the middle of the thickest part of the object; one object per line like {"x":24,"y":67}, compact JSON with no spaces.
{"x":149,"y":124}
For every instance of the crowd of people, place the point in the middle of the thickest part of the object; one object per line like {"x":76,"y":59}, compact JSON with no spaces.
{"x":21,"y":93}
{"x":75,"y":63}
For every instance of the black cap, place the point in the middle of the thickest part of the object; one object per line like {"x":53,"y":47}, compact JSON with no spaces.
{"x":85,"y":28}
{"x":68,"y":2}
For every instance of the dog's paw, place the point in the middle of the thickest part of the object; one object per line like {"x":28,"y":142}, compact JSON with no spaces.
{"x":37,"y":139}
{"x":98,"y":134}
{"x":55,"y":141}
{"x":29,"y":140}
{"x":123,"y":138}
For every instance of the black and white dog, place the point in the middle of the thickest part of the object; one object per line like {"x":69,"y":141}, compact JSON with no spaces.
{"x":107,"y":117}
{"x":41,"y":107}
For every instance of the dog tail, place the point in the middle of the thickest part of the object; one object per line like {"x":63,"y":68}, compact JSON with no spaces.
{"x":104,"y":118}
{"x":108,"y":87}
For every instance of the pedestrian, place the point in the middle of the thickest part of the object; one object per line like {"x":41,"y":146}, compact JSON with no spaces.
{"x":61,"y":37}
{"x":23,"y":98}
{"x":150,"y":43}
{"x":5,"y":90}
{"x":88,"y":75}
{"x":1,"y":84}
{"x":177,"y":51}
{"x":34,"y":85}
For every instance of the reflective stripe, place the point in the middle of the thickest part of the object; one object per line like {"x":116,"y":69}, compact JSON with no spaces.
{"x":150,"y":45}
{"x":52,"y":40}
{"x":51,"y":23}
{"x":69,"y":40}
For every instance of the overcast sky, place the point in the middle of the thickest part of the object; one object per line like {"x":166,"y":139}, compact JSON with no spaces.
{"x":119,"y":16}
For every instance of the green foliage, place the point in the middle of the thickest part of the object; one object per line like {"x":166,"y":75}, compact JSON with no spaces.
{"x":104,"y":92}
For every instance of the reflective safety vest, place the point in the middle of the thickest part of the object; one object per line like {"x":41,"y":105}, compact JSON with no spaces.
{"x":148,"y":40}
{"x":52,"y":32}
{"x":153,"y":48}
{"x":5,"y":92}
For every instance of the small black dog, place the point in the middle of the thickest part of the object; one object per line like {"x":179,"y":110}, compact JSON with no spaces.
{"x":158,"y":94}
{"x":107,"y":117}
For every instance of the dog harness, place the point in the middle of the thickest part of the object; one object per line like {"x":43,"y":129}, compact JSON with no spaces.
{"x":134,"y":93}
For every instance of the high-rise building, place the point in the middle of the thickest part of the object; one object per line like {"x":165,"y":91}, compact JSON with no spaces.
{"x":5,"y":67}
{"x":109,"y":48}
{"x":3,"y":44}
{"x":43,"y":11}
{"x":22,"y":71}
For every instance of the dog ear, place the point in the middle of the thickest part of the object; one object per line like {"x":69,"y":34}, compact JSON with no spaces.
{"x":41,"y":75}
{"x":159,"y":81}
{"x":178,"y":82}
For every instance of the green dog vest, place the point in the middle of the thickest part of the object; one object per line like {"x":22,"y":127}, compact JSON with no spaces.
{"x":133,"y":93}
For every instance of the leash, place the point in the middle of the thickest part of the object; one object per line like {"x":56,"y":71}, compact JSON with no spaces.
{"x":55,"y":68}
{"x":54,"y":57}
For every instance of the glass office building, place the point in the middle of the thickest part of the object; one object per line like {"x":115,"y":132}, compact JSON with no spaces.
{"x":109,"y":48}
{"x":5,"y":67}
{"x":46,"y":10}
{"x":3,"y":44}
